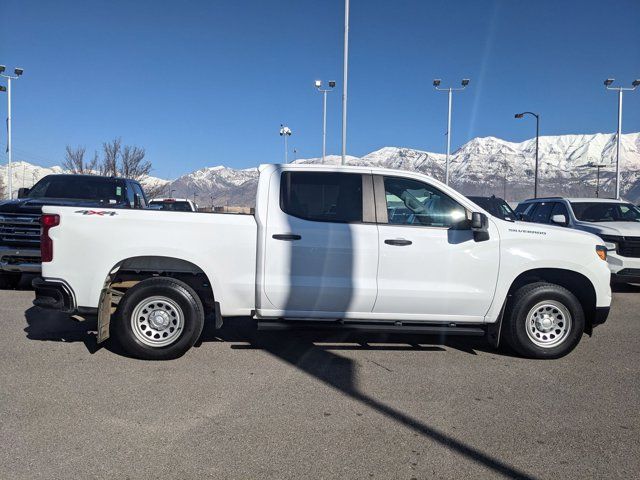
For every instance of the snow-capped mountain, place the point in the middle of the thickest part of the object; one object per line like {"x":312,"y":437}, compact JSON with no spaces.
{"x":482,"y":166}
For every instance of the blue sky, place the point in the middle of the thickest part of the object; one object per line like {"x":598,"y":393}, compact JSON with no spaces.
{"x":201,"y":83}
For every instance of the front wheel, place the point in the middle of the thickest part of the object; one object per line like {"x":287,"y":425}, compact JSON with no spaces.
{"x":543,"y":320}
{"x":158,"y":319}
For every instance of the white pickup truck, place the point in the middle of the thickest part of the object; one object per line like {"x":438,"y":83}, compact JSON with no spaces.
{"x":335,"y":247}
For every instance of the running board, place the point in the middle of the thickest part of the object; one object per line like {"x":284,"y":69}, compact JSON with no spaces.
{"x":377,"y":327}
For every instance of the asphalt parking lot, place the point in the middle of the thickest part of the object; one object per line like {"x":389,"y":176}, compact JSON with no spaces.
{"x":280,"y":405}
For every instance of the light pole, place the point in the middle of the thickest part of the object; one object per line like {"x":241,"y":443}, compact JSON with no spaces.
{"x":535,"y":175}
{"x":324,"y":92}
{"x":598,"y":167}
{"x":285,"y":132}
{"x":450,"y":90}
{"x":634,"y":85}
{"x":345,"y":77}
{"x":17,"y":72}
{"x":504,"y":179}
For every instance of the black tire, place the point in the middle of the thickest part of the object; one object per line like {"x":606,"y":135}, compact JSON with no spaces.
{"x":181,"y":295}
{"x":9,"y":281}
{"x":518,"y":314}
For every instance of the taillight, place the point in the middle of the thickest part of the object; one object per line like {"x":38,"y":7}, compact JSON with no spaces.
{"x":46,"y":245}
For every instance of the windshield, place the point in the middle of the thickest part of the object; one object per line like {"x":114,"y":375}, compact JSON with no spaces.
{"x":496,"y":207}
{"x":179,"y":206}
{"x":605,"y":212}
{"x":99,"y":189}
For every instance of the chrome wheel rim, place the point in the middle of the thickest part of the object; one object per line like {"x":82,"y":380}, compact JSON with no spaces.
{"x":157,"y":321}
{"x":548,"y":324}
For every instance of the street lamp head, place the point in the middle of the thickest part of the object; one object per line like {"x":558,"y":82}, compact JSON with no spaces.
{"x":332,"y":83}
{"x":3,"y":88}
{"x":636,"y":82}
{"x":436,"y":82}
{"x":284,"y":130}
{"x":608,"y":82}
{"x":18,"y":71}
{"x":2,"y":68}
{"x":318,"y":83}
{"x":465,"y":82}
{"x":519,"y":115}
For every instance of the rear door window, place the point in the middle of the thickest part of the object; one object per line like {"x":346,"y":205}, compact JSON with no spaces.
{"x":322,"y":196}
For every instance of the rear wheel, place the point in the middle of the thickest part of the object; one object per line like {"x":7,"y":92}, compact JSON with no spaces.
{"x":158,"y":319}
{"x":544,"y":320}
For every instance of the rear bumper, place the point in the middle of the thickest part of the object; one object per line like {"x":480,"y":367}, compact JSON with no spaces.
{"x":19,"y":260}
{"x":54,"y":295}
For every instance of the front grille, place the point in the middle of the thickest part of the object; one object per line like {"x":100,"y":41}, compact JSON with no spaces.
{"x":14,"y":260}
{"x":19,"y":230}
{"x":629,"y":247}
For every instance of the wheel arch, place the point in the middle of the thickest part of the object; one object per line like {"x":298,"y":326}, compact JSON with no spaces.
{"x":129,"y":271}
{"x":575,"y":282}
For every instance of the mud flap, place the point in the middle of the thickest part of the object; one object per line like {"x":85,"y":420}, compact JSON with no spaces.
{"x":109,"y":300}
{"x":218,"y":316}
{"x":494,"y":330}
{"x":104,"y":314}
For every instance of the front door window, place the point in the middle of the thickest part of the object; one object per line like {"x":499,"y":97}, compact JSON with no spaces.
{"x":410,"y":202}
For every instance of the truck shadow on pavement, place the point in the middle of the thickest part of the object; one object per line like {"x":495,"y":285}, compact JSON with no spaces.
{"x":309,"y":351}
{"x":49,"y":325}
{"x":305,"y":351}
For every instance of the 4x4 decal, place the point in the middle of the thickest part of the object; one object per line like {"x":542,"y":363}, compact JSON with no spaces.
{"x":100,"y":213}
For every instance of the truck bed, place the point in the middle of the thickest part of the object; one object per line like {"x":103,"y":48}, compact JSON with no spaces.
{"x":224,"y":248}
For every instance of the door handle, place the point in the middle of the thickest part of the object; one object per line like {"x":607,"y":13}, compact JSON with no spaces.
{"x":398,"y":242}
{"x":286,"y":236}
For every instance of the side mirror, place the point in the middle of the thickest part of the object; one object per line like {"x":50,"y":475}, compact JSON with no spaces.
{"x":23,"y":192}
{"x":480,"y":226}
{"x":559,"y":220}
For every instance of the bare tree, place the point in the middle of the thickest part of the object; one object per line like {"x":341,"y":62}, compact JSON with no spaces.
{"x":111,"y":151}
{"x":93,"y":165}
{"x":2,"y":192}
{"x":132,"y":163}
{"x":117,"y":161}
{"x":74,"y":161}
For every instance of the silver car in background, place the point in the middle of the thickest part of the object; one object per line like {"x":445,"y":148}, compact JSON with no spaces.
{"x":615,"y":221}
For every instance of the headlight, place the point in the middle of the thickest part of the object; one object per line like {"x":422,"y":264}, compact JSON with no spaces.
{"x":601,"y":250}
{"x":611,"y":242}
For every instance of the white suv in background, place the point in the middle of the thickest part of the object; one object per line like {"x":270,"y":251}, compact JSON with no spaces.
{"x":615,"y":221}
{"x":173,"y":204}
